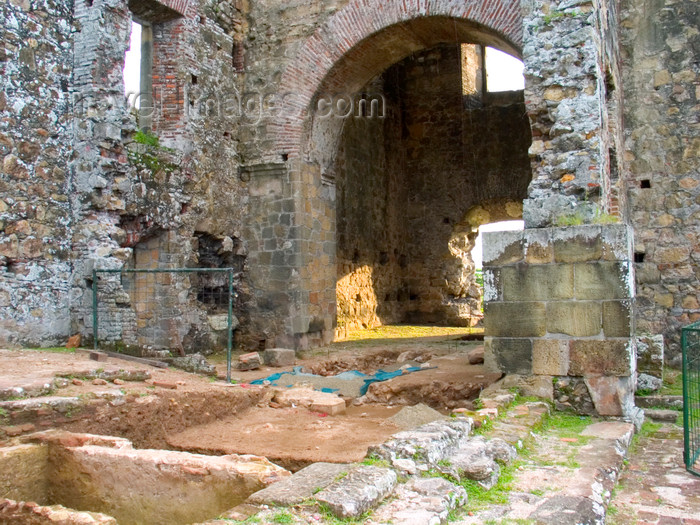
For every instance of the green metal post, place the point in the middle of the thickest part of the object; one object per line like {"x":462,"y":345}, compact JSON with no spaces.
{"x":94,"y":309}
{"x":229,"y":328}
{"x":686,"y":402}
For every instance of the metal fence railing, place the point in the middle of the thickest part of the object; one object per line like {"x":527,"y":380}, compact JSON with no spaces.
{"x":691,"y":397}
{"x":164,"y":309}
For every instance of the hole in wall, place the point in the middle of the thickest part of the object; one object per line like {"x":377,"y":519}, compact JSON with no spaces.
{"x":609,"y":84}
{"x":645,"y":184}
{"x":639,"y":257}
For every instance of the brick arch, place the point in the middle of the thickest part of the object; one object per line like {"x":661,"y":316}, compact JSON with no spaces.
{"x":176,"y":5}
{"x":336,"y":55}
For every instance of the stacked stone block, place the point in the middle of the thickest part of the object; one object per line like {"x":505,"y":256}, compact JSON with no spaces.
{"x":559,"y":303}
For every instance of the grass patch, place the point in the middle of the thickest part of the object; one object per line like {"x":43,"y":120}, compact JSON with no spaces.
{"x":331,"y":519}
{"x":478,"y":498}
{"x":566,"y":425}
{"x":375,"y":461}
{"x":648,"y":430}
{"x":673,"y":383}
{"x":55,"y":350}
{"x":282,"y":517}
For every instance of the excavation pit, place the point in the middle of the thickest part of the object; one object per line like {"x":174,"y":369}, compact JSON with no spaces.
{"x":108,"y":476}
{"x":185,"y":429}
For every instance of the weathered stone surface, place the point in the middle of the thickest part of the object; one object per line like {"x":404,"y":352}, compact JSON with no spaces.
{"x":536,"y":386}
{"x":612,"y":396}
{"x":24,"y":473}
{"x":476,"y":356}
{"x":427,"y":444}
{"x":576,"y":319}
{"x":648,"y":384}
{"x":421,"y":501}
{"x":501,"y":451}
{"x":510,"y":356}
{"x":660,"y":414}
{"x":603,"y":281}
{"x":501,"y":248}
{"x":617,"y":318}
{"x":362,"y":489}
{"x":525,"y":282}
{"x":23,"y":512}
{"x":219,"y":322}
{"x":329,"y":406}
{"x":57,"y":403}
{"x":675,"y":402}
{"x":195,"y":363}
{"x":279,"y":357}
{"x":476,"y":459}
{"x":560,"y":510}
{"x":300,"y":486}
{"x":550,"y":357}
{"x":202,"y":485}
{"x":611,"y":357}
{"x":415,"y":416}
{"x":249,"y":361}
{"x":472,"y":461}
{"x":650,"y":355}
{"x":312,"y":399}
{"x":571,"y":393}
{"x":515,"y":319}
{"x":538,"y":246}
{"x":577,"y":244}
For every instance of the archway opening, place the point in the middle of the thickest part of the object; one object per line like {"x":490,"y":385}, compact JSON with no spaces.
{"x":417,"y":165}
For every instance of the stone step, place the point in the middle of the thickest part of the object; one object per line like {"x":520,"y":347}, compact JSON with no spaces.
{"x":565,"y":493}
{"x":478,"y":459}
{"x":421,"y":501}
{"x":362,"y":489}
{"x":301,"y":486}
{"x":659,"y":401}
{"x":426,"y":445}
{"x":516,"y":426}
{"x":661,"y":414}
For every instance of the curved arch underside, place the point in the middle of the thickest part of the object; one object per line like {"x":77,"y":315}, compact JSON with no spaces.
{"x":366,"y":37}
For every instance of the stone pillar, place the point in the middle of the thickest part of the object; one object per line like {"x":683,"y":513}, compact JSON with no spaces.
{"x":559,"y":302}
{"x":565,"y":99}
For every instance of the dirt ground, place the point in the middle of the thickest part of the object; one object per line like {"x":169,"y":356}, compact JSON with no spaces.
{"x":293,"y":437}
{"x":175,"y":409}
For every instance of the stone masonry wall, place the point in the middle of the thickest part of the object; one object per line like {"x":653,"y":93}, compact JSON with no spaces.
{"x":82,"y":192}
{"x":564,"y":94}
{"x":235,"y":84}
{"x":369,"y":215}
{"x":35,"y":137}
{"x":660,"y":47}
{"x":560,"y":305}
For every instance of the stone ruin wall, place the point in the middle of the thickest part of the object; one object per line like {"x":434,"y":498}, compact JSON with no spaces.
{"x":91,"y":194}
{"x":69,"y":186}
{"x":35,"y":209}
{"x":661,"y":80}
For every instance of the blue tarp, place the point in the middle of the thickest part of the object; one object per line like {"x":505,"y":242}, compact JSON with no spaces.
{"x":380,"y":375}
